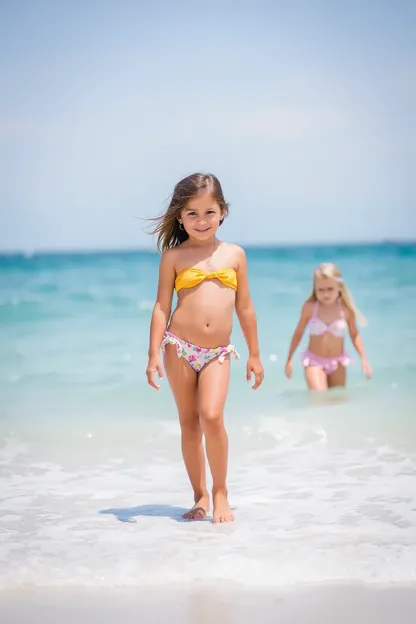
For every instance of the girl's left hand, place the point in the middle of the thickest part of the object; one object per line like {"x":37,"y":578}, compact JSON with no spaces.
{"x":255,"y":367}
{"x":366,"y":369}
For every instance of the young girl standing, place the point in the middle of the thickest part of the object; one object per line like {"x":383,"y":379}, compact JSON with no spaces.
{"x":210,"y":278}
{"x":329,"y":312}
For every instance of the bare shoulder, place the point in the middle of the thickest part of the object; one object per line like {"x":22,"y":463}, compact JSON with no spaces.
{"x":170,"y":257}
{"x":235,"y":249}
{"x":236,"y":254}
{"x":177,"y":252}
{"x":307,"y":309}
{"x":348,"y":313}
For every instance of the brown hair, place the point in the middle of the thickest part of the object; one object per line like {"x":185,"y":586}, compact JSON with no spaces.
{"x":169,"y":234}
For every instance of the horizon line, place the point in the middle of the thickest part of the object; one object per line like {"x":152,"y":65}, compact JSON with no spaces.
{"x":267,"y":245}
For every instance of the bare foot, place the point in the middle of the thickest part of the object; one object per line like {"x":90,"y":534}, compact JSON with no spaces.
{"x":222,"y":511}
{"x":199,"y":510}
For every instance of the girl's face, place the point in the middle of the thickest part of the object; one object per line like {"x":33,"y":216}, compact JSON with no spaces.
{"x":201,"y":217}
{"x":327,"y":290}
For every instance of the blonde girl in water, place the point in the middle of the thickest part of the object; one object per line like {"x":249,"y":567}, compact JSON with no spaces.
{"x":210,"y":278}
{"x":329,"y":312}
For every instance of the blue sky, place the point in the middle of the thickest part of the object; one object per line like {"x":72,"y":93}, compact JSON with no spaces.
{"x":304,"y":110}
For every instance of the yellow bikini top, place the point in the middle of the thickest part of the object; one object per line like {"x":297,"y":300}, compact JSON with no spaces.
{"x":191,"y":277}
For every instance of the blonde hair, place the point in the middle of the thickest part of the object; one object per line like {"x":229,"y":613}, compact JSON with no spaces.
{"x":329,"y":270}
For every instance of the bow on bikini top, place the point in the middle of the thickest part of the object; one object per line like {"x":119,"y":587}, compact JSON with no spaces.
{"x":318,"y":327}
{"x":191,"y":277}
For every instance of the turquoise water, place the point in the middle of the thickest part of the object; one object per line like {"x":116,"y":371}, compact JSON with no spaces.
{"x":324,"y":487}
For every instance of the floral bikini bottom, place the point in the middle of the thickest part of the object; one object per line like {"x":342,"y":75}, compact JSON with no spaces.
{"x":197,"y":357}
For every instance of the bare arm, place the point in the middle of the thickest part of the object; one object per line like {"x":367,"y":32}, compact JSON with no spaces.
{"x":245,"y":309}
{"x":160,"y":317}
{"x":247,"y":317}
{"x":163,"y":305}
{"x":355,"y":336}
{"x":300,"y":330}
{"x":358,"y":342}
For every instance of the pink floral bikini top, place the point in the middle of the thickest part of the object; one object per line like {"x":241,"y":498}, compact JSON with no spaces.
{"x":318,"y":327}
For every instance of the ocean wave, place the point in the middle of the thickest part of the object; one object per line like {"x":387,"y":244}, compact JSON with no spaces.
{"x":107,"y":516}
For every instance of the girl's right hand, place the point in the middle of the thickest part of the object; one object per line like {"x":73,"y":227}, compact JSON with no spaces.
{"x":288,"y":369}
{"x":154,"y":366}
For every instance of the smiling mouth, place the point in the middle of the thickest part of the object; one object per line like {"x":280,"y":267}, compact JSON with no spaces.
{"x":202,"y":231}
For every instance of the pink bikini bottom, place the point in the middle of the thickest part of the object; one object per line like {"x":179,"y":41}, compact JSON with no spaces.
{"x":197,"y":357}
{"x":328,"y":364}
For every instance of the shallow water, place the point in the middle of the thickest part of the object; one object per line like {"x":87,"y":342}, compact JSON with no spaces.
{"x":93,"y":485}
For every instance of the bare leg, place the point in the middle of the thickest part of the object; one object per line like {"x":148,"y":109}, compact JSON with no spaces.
{"x":316,"y":378}
{"x":338,"y":378}
{"x":213,"y":385}
{"x":183,"y":382}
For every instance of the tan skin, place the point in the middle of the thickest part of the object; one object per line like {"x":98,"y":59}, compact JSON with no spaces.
{"x":203,"y":316}
{"x":327,"y":293}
